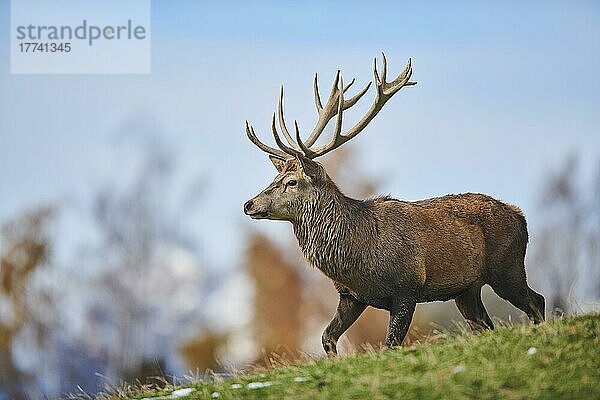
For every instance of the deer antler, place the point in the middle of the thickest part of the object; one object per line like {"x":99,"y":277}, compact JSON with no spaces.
{"x":334,"y":107}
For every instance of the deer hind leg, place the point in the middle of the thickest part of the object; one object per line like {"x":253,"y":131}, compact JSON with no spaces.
{"x":400,"y":317}
{"x":537,"y":304}
{"x":512,"y":286}
{"x":348,"y":311}
{"x":472,"y":309}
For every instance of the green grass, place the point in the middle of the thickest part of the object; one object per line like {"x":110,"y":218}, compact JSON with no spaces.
{"x":491,"y":365}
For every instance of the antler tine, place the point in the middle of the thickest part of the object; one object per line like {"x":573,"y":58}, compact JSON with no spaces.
{"x":290,"y":151}
{"x":282,"y":125}
{"x":405,"y":72}
{"x":383,"y":68}
{"x":354,"y":99}
{"x":318,"y":103}
{"x":307,"y":152}
{"x":340,"y":112}
{"x":350,"y":84}
{"x":267,"y":149}
{"x":375,"y":74}
{"x":403,"y":79}
{"x":334,"y":87}
{"x":389,"y":89}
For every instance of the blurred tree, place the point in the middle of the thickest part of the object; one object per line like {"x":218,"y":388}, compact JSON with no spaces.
{"x":202,"y":351}
{"x":566,"y":244}
{"x":24,"y":248}
{"x":145,"y":288}
{"x":277,"y":322}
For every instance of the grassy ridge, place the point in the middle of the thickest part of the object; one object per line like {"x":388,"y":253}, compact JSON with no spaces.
{"x":558,"y":359}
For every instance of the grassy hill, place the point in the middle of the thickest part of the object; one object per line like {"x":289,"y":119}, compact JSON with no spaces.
{"x":557,"y":359}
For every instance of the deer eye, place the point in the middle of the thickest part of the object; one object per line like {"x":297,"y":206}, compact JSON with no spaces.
{"x":291,"y":182}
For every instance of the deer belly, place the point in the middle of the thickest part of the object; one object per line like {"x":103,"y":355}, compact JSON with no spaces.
{"x":373,"y":300}
{"x":374,"y":293}
{"x":453,"y":263}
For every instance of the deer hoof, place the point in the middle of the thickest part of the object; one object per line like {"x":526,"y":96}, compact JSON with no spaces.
{"x":330,"y":348}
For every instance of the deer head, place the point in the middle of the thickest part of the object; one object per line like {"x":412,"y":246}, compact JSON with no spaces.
{"x":301,"y":179}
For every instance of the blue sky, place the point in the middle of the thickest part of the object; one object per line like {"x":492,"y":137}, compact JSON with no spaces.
{"x":506,"y":91}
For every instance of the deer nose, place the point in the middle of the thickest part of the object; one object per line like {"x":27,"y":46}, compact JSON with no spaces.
{"x":248,"y":206}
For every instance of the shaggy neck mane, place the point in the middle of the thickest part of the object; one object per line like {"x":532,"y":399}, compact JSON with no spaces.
{"x":336,"y":233}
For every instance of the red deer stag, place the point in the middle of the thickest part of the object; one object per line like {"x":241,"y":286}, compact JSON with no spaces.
{"x":388,"y":253}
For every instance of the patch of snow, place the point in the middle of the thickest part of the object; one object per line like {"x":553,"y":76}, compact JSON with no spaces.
{"x":174,"y":395}
{"x":459,"y":368}
{"x":181,"y":392}
{"x":531,"y":351}
{"x":215,"y":395}
{"x":258,"y":385}
{"x":301,"y":379}
{"x":236,"y":386}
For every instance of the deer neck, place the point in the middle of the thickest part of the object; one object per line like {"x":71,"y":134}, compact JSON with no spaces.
{"x":336,"y":233}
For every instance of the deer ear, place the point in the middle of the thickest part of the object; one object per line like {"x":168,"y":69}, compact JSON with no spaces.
{"x":311,"y":168}
{"x":277,"y":162}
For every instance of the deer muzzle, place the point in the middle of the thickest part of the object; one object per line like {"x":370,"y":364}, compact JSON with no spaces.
{"x":251,"y":209}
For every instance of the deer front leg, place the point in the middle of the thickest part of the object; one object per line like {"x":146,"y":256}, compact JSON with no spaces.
{"x":400,"y":317}
{"x":348,"y":310}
